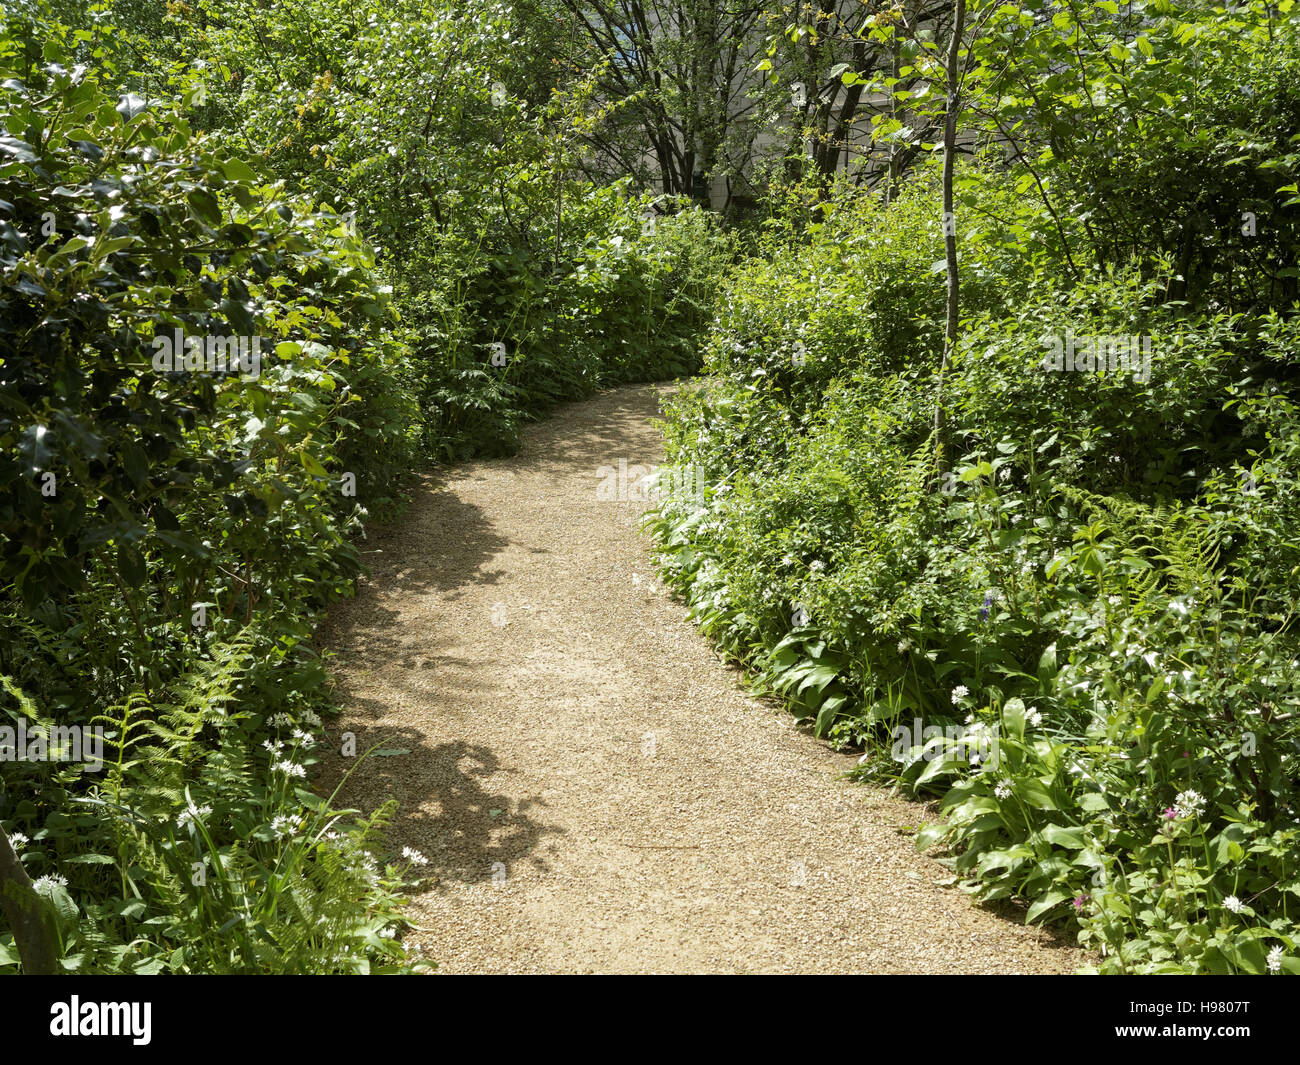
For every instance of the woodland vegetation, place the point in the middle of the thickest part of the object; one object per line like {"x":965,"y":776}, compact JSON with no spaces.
{"x":993,"y":308}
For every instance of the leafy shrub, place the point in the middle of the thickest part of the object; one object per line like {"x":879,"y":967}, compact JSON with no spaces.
{"x":1089,"y":583}
{"x":167,"y":523}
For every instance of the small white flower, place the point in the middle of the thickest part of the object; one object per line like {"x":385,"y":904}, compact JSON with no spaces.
{"x":186,"y":816}
{"x":272,"y":745}
{"x":1233,"y":903}
{"x":904,"y":646}
{"x":970,"y":719}
{"x":1003,"y":791}
{"x":817,"y":565}
{"x":311,"y":718}
{"x":286,"y":825}
{"x":414,"y":856}
{"x":1274,"y":960}
{"x":280,"y":721}
{"x":46,"y":884}
{"x":304,"y":738}
{"x":17,"y":840}
{"x":1034,"y":717}
{"x":959,"y":693}
{"x":289,"y":768}
{"x":1189,"y":803}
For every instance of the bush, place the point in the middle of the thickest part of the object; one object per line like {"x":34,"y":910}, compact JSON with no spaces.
{"x":172,"y":527}
{"x":1117,"y":614}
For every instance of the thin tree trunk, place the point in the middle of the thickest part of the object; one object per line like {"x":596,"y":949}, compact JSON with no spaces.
{"x":559,"y":205}
{"x":953,"y":105}
{"x":28,"y":915}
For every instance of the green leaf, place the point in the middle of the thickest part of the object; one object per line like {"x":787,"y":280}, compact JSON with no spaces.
{"x":130,"y":564}
{"x":1068,"y":836}
{"x":1035,"y":793}
{"x":1013,"y":718}
{"x":237,"y":170}
{"x":1045,"y":903}
{"x":205,"y":206}
{"x":311,"y":464}
{"x":929,"y":835}
{"x":1047,"y":665}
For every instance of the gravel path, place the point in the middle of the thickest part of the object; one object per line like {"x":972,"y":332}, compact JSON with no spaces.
{"x":593,"y":789}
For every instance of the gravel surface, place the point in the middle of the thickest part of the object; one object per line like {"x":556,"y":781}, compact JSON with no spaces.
{"x":593,"y":789}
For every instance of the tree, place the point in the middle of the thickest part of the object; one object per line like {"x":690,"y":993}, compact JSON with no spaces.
{"x":29,"y":916}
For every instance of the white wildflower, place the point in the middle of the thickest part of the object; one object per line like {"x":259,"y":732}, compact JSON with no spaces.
{"x":1233,"y":903}
{"x":46,"y":884}
{"x":311,"y":718}
{"x":1003,"y":791}
{"x":188,"y":815}
{"x":304,"y":738}
{"x":289,"y":768}
{"x":281,"y":721}
{"x":1274,"y":960}
{"x":286,"y":825}
{"x":1034,"y":717}
{"x":17,"y":840}
{"x":904,"y":646}
{"x":959,"y":693}
{"x":414,"y":856}
{"x":1189,"y":803}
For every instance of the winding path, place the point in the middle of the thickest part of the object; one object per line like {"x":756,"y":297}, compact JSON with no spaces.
{"x":593,"y":790}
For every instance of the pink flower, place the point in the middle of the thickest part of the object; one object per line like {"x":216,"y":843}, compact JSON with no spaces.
{"x":1078,"y":903}
{"x":1171,"y":813}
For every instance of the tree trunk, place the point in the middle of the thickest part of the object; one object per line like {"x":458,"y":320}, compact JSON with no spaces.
{"x":952,"y":107}
{"x":28,"y":915}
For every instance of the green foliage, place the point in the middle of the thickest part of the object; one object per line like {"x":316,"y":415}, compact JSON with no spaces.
{"x":174,"y":526}
{"x":1104,"y":582}
{"x":167,"y":520}
{"x":519,"y":283}
{"x":198,"y":850}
